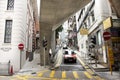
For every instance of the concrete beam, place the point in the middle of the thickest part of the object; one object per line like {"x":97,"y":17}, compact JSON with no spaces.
{"x":116,"y":5}
{"x":55,"y":12}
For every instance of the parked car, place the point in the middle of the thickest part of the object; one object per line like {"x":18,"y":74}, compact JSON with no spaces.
{"x":69,"y":56}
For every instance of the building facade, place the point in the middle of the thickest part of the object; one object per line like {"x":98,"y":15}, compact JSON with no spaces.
{"x":16,"y":27}
{"x":90,"y":22}
{"x":72,"y":32}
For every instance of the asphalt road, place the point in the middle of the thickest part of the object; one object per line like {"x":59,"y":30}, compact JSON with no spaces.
{"x":70,"y":66}
{"x":73,"y":71}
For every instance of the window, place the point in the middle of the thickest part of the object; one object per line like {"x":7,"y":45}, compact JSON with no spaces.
{"x":93,"y":16}
{"x":8,"y":30}
{"x":82,"y":46}
{"x":99,"y":38}
{"x":10,"y":5}
{"x":89,"y":22}
{"x":81,"y":12}
{"x":85,"y":25}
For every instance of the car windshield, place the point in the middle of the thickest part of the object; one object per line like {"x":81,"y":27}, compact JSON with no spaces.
{"x":69,"y":52}
{"x":72,"y":52}
{"x":66,"y":52}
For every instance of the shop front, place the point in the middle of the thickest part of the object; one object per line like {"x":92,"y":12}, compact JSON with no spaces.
{"x":114,"y":29}
{"x":115,"y":33}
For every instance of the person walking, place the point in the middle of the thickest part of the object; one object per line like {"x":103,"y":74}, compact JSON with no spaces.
{"x":50,"y":53}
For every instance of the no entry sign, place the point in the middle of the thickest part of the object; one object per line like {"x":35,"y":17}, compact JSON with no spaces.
{"x":106,"y":36}
{"x":21,"y":46}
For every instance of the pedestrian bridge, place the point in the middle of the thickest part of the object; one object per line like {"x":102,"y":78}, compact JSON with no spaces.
{"x":55,"y":12}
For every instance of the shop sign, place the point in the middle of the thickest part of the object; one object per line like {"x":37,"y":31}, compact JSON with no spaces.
{"x":84,"y":31}
{"x":107,"y":23}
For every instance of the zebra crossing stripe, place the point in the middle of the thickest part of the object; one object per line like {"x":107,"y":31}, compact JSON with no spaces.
{"x":75,"y":74}
{"x":52,"y":74}
{"x":88,"y":75}
{"x":63,"y":74}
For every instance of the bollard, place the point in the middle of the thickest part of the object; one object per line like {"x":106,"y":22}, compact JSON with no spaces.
{"x":11,"y":70}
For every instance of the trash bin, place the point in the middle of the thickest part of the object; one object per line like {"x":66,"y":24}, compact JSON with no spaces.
{"x":4,"y":68}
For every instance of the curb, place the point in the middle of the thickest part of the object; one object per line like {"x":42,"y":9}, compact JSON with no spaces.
{"x":90,"y":70}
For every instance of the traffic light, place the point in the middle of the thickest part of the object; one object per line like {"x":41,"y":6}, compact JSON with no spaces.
{"x":44,"y":43}
{"x":92,"y":42}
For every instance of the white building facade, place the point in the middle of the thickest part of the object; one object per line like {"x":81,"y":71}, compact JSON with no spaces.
{"x":91,"y":19}
{"x":16,"y":24}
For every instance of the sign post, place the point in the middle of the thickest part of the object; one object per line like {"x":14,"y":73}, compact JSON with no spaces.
{"x":44,"y":45}
{"x":107,"y":36}
{"x":20,"y":47}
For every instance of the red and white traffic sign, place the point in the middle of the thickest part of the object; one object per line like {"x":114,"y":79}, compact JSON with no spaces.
{"x":21,"y":46}
{"x":106,"y":36}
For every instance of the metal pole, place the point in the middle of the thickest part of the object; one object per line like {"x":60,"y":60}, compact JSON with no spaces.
{"x":108,"y":52}
{"x":20,"y":57}
{"x":44,"y":56}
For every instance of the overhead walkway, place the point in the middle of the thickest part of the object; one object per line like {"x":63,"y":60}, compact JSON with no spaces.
{"x":55,"y":12}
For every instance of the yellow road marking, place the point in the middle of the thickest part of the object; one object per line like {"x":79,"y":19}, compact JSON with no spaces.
{"x":98,"y":78}
{"x":86,"y":67}
{"x":2,"y":76}
{"x":75,"y":74}
{"x":22,"y":77}
{"x":63,"y":74}
{"x":40,"y":74}
{"x":88,"y":75}
{"x":90,"y":71}
{"x":81,"y":61}
{"x":52,"y":74}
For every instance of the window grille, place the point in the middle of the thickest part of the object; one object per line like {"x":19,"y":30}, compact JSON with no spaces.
{"x":93,"y":16}
{"x":8,"y":31}
{"x":10,"y":5}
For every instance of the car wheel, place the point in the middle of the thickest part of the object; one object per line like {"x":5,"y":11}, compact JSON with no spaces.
{"x":64,"y":61}
{"x":75,"y":61}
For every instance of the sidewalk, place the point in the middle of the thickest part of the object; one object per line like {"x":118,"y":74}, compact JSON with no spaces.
{"x":102,"y":71}
{"x":32,"y":67}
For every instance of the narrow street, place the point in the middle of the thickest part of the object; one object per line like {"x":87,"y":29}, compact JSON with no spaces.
{"x":73,"y":71}
{"x":66,"y":71}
